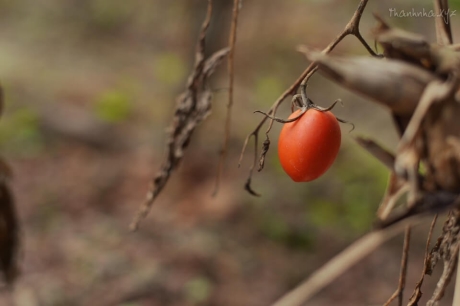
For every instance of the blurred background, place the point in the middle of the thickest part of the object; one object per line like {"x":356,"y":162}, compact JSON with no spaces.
{"x":90,"y":89}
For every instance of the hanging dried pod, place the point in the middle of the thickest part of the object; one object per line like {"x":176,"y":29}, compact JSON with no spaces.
{"x":392,"y":83}
{"x":415,"y":49}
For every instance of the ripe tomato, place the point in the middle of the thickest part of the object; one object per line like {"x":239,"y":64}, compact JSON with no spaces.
{"x":308,"y":146}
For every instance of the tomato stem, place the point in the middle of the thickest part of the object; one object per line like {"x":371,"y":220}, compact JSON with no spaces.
{"x":304,"y":103}
{"x":303,"y":110}
{"x":322,"y":109}
{"x":346,"y":122}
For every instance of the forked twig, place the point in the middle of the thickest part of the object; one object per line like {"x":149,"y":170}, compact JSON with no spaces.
{"x":352,"y":28}
{"x":231,"y":76}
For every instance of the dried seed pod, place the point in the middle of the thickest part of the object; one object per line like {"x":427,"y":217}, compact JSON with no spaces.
{"x":392,"y":83}
{"x":441,"y":130}
{"x":415,"y":49}
{"x":403,"y":45}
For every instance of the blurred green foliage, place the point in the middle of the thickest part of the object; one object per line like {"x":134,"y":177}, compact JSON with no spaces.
{"x":278,"y":229}
{"x":455,"y":5}
{"x":363,"y":179}
{"x":268,"y":88}
{"x":113,"y":106}
{"x":169,"y":69}
{"x":108,"y":15}
{"x":19,"y":132}
{"x":198,"y":289}
{"x":323,"y":213}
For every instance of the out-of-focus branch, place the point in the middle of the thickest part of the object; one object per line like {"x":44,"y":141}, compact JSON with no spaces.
{"x":231,"y":76}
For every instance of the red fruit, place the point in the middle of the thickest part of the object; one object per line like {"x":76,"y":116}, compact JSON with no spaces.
{"x":308,"y":146}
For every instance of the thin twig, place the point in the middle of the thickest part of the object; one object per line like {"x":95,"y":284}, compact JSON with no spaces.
{"x":231,"y":75}
{"x":444,"y":280}
{"x":403,"y":271}
{"x":352,"y":28}
{"x":442,"y":22}
{"x":413,"y":301}
{"x":384,"y":156}
{"x":457,"y":285}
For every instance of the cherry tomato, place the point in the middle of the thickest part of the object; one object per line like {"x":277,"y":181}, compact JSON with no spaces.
{"x":308,"y":146}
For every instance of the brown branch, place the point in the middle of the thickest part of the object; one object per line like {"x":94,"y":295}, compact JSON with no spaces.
{"x":384,"y":156}
{"x":430,"y":203}
{"x":395,"y":189}
{"x":413,"y":301}
{"x":231,"y":75}
{"x":445,"y":278}
{"x":457,"y":286}
{"x":442,"y":22}
{"x":352,"y":28}
{"x":446,"y":248}
{"x":403,"y":271}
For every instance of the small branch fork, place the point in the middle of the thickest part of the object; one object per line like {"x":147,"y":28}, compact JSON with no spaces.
{"x":352,"y":28}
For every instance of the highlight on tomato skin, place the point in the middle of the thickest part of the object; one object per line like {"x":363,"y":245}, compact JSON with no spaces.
{"x":308,"y":146}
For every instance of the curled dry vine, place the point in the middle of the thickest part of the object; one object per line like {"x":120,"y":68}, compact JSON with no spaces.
{"x":193,"y":106}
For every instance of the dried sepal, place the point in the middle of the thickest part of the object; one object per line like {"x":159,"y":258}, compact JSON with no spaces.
{"x":265,"y":147}
{"x":249,"y":189}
